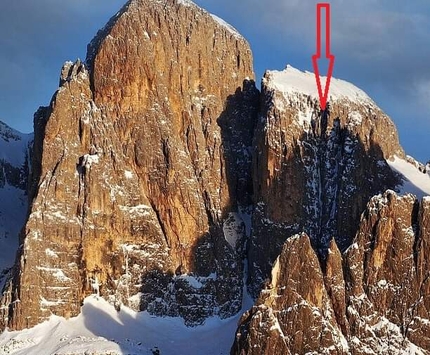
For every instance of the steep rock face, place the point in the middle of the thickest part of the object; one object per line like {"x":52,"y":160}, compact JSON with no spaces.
{"x":373,"y":299}
{"x":15,"y":149}
{"x":387,"y":273}
{"x":313,"y":170}
{"x":291,"y":316}
{"x":134,"y":184}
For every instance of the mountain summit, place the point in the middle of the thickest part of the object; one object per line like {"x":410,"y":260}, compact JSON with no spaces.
{"x":339,"y":281}
{"x":136,"y":187}
{"x":314,"y":170}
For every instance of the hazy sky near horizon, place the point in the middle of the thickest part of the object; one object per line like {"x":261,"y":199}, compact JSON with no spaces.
{"x":382,"y":46}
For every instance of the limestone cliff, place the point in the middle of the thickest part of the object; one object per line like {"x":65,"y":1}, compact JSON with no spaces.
{"x":373,"y":299}
{"x":134,"y":187}
{"x":315,"y":171}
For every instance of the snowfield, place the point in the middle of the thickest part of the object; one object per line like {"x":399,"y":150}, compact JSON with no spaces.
{"x":292,"y":80}
{"x":415,"y":181}
{"x":100,"y":329}
{"x":12,"y":218}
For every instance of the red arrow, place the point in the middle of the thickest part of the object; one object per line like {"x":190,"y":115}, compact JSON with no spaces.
{"x":323,"y":95}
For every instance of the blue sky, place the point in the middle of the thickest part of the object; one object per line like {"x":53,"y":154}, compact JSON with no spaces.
{"x":382,"y":46}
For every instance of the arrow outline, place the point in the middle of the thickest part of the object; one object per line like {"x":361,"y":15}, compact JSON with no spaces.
{"x":323,"y":96}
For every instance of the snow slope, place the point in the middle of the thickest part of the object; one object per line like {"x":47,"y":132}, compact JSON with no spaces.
{"x":13,"y":200}
{"x":220,"y":21}
{"x":415,"y":181}
{"x":13,"y":145}
{"x":226,"y":25}
{"x":100,"y":329}
{"x":13,"y":209}
{"x":292,"y":80}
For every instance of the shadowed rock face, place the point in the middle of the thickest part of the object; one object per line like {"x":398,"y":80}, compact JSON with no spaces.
{"x":314,"y":171}
{"x":15,"y":148}
{"x":140,"y":164}
{"x":14,"y":158}
{"x":293,"y":313}
{"x":373,"y":299}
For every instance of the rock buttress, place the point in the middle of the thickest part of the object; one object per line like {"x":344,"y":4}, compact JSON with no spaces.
{"x":135,"y":187}
{"x":315,"y":171}
{"x":373,"y":299}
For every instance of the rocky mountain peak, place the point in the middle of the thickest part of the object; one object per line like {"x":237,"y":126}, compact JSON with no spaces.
{"x":161,"y":179}
{"x":313,"y":169}
{"x":7,"y":133}
{"x":141,"y":168}
{"x":369,"y":300}
{"x":349,"y":106}
{"x":292,"y":81}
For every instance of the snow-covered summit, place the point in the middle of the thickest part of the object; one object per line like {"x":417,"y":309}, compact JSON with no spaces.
{"x":218,"y":20}
{"x":7,"y":133}
{"x":226,"y":25}
{"x":186,"y":3}
{"x":291,"y":80}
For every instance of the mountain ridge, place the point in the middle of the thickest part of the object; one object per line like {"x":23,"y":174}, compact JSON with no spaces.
{"x":164,"y":181}
{"x":15,"y":150}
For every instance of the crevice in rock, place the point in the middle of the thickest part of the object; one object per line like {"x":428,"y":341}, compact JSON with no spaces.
{"x":160,"y":222}
{"x":416,"y":228}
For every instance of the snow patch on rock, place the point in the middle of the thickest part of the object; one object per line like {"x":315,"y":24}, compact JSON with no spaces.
{"x":355,"y":118}
{"x":90,"y":159}
{"x":227,"y":26}
{"x":232,"y":228}
{"x":187,"y":3}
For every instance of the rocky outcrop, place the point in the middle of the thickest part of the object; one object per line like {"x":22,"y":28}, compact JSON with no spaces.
{"x":315,"y":171}
{"x":291,"y":316}
{"x":373,"y":299}
{"x":140,"y":170}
